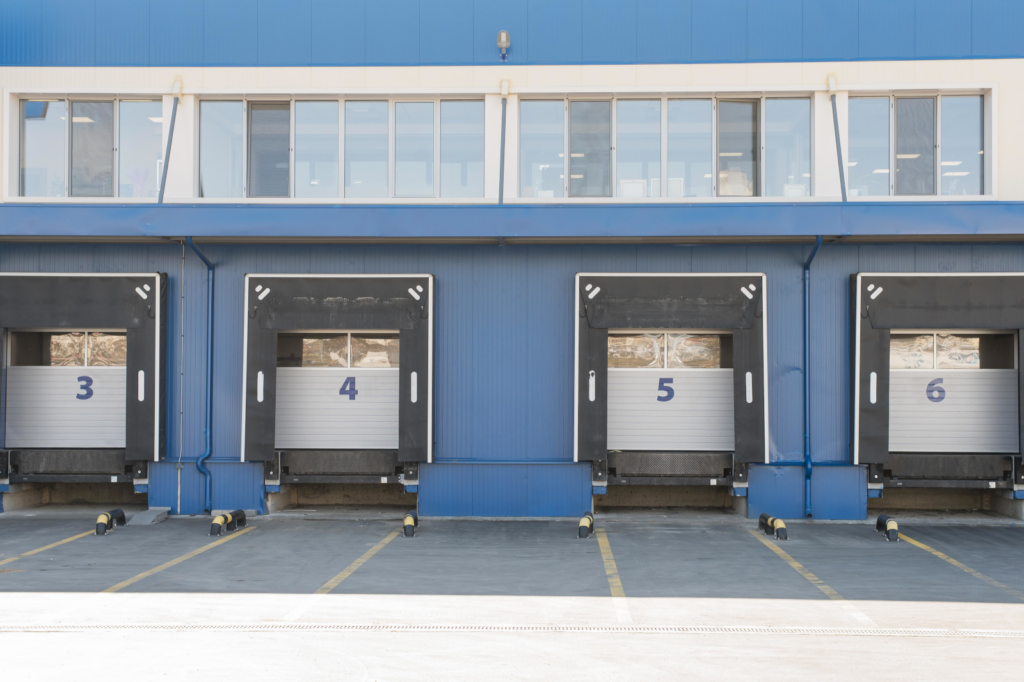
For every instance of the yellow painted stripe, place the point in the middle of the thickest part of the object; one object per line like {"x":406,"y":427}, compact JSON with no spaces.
{"x":610,"y":569}
{"x":798,"y":567}
{"x":354,"y":566}
{"x":43,"y":549}
{"x":175,"y":562}
{"x":967,"y":569}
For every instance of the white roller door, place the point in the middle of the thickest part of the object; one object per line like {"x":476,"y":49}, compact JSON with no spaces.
{"x":65,"y":407}
{"x":312,"y":413}
{"x":942,"y":398}
{"x":695,"y":411}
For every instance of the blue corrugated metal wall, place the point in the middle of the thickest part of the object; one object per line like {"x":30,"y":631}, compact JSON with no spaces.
{"x":455,"y":32}
{"x":504,"y":358}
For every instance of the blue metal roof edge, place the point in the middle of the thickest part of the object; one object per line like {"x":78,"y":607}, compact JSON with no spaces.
{"x":610,"y":221}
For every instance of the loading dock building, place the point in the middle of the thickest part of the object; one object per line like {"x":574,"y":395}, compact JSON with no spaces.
{"x":653,"y":253}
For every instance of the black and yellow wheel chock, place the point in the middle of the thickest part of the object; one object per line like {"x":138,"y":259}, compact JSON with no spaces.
{"x":107,"y":520}
{"x":225,"y":523}
{"x":410,"y":522}
{"x":889,"y":527}
{"x":772,"y":526}
{"x":586,"y":525}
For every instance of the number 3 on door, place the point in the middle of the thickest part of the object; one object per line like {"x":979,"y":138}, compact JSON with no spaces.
{"x":349,"y":388}
{"x":86,"y":387}
{"x":663,"y":385}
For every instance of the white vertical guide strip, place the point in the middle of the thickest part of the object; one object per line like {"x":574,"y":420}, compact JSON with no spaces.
{"x":943,"y":410}
{"x":311,"y":413}
{"x":698,"y":416}
{"x":66,"y":407}
{"x":142,"y":385}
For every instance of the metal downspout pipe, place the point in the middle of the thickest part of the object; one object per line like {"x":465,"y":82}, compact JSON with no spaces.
{"x":208,"y":430}
{"x":808,"y":465}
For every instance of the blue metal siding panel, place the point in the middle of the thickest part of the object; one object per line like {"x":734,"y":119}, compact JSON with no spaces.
{"x":446,"y":32}
{"x":830,"y":30}
{"x":719,"y":31}
{"x":886,"y":29}
{"x":20,"y":32}
{"x":122,"y":33}
{"x":446,"y":490}
{"x":285,"y":33}
{"x":610,"y":30}
{"x":229,"y":33}
{"x":776,"y":490}
{"x":663,"y":31}
{"x":237,"y":486}
{"x":997,"y":28}
{"x":500,"y":490}
{"x":942,"y":29}
{"x":393,"y":32}
{"x":338,"y":32}
{"x":491,"y":16}
{"x":176,"y":33}
{"x":675,"y":258}
{"x":559,"y":489}
{"x":555,"y":32}
{"x":942,"y":258}
{"x":839,"y":493}
{"x":774,"y":30}
{"x":68,"y":33}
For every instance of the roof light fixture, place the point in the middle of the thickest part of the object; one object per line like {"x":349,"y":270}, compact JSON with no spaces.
{"x":504,"y":42}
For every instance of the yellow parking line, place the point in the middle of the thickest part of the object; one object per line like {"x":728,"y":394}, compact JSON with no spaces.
{"x":610,"y":569}
{"x":43,"y":549}
{"x":967,"y":569}
{"x":175,"y":562}
{"x":352,"y":567}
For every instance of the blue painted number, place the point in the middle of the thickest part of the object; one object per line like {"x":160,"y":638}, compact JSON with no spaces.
{"x":935,"y":392}
{"x":86,"y":386}
{"x":349,"y":388}
{"x":663,"y":385}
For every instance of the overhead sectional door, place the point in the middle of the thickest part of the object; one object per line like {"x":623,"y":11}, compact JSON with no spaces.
{"x":337,"y":391}
{"x":670,"y":392}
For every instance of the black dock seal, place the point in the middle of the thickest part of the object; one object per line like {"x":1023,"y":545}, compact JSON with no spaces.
{"x":671,"y":301}
{"x":880,"y":302}
{"x":280,"y":303}
{"x":135,"y":302}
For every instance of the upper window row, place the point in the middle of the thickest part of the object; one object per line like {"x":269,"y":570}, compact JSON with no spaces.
{"x":647,"y":148}
{"x":924,"y":138}
{"x":390,"y":149}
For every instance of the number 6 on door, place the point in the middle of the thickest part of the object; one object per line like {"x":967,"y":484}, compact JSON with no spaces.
{"x":663,"y":385}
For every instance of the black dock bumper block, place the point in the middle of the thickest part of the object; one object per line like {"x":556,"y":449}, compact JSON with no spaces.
{"x":107,"y":520}
{"x":888,"y":526}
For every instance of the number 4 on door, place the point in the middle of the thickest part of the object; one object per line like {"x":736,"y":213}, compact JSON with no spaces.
{"x":349,"y":388}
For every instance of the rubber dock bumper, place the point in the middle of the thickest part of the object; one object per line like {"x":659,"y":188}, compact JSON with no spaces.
{"x":888,"y":526}
{"x":410,"y":522}
{"x":586,"y":525}
{"x":772,"y":526}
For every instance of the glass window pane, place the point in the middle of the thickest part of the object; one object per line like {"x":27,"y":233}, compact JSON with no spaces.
{"x":108,"y":349}
{"x":414,"y":149}
{"x":737,"y":149}
{"x":375,"y":350}
{"x":636,"y":350}
{"x":590,"y":136}
{"x":915,"y":145}
{"x":788,"y":147}
{"x":220,"y":149}
{"x":910,"y":351}
{"x":92,"y":149}
{"x":868,"y":167}
{"x":42,"y":149}
{"x":140,"y":148}
{"x":689,"y":148}
{"x":541,"y":149}
{"x":638,"y":148}
{"x":699,"y":351}
{"x":953,"y":351}
{"x":316,"y":149}
{"x":268,"y":149}
{"x":963,"y":145}
{"x":366,"y":149}
{"x":462,"y":149}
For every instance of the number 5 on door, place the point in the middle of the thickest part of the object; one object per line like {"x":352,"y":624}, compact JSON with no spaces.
{"x":663,"y":385}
